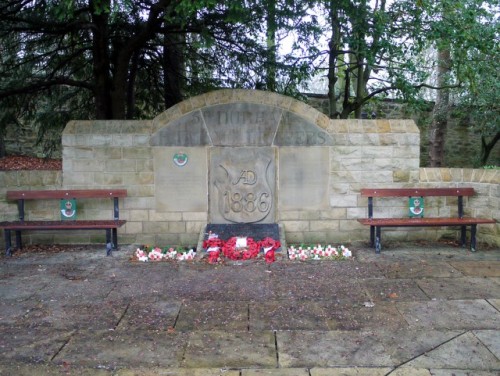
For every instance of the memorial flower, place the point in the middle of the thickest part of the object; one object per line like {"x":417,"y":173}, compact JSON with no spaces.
{"x":146,"y":253}
{"x":239,"y":248}
{"x":318,"y":252}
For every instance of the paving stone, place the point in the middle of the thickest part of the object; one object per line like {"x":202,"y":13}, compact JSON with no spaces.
{"x":47,"y":369}
{"x":461,"y":288}
{"x":96,"y":315}
{"x":404,"y":371}
{"x":495,"y":303}
{"x":418,"y":269}
{"x":231,"y":349}
{"x":364,"y":316}
{"x":461,"y":372}
{"x":356,"y":348}
{"x":44,"y":297}
{"x":462,"y":352}
{"x":176,"y":372}
{"x":491,"y":339}
{"x":31,"y":345}
{"x":118,"y":349}
{"x":288,"y":315}
{"x":478,"y":268}
{"x":12,"y":310}
{"x":319,"y":288}
{"x":210,"y":315}
{"x":147,"y":315}
{"x":452,"y":314}
{"x":275,"y":372}
{"x":221,"y":283}
{"x":355,"y":371}
{"x":393,"y":290}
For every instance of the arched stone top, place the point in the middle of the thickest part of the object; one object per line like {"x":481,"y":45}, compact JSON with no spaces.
{"x":241,"y":118}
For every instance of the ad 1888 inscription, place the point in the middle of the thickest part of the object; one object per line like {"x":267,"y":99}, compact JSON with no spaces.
{"x":242,"y":185}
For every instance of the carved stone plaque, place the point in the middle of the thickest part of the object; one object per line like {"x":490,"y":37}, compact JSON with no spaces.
{"x":242,"y":185}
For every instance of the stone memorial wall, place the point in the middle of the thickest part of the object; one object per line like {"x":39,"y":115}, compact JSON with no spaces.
{"x":240,"y":156}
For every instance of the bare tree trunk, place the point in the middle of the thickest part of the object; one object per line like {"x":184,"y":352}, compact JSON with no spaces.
{"x":487,"y":147}
{"x":101,"y":63}
{"x":271,"y":45}
{"x":437,"y":130}
{"x":172,"y":68}
{"x":333,"y":46}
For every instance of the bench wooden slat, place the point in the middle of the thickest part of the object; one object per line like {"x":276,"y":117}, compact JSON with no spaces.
{"x":62,"y":225}
{"x":376,"y":224}
{"x":402,"y":192}
{"x":415,"y":222}
{"x":110,"y":226}
{"x":68,"y":193}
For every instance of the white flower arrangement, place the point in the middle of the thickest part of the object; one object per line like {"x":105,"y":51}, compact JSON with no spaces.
{"x":318,"y":252}
{"x":146,"y":253}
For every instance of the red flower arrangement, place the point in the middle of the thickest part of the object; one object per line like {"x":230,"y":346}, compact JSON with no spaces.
{"x":237,"y":249}
{"x":240,"y":248}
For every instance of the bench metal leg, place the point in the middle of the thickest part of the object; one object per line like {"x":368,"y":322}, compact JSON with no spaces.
{"x":8,"y":244}
{"x":473,"y":229}
{"x":115,"y":238}
{"x":109,"y":243}
{"x":463,"y":235}
{"x":19,"y":240}
{"x":378,"y":239}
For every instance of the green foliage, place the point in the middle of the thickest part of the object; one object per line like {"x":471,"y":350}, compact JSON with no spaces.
{"x":83,"y":59}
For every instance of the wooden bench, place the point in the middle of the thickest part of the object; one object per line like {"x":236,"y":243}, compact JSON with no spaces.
{"x":110,"y":226}
{"x":376,"y":224}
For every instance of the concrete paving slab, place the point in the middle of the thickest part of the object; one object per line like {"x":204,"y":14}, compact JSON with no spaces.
{"x":393,"y":290}
{"x":221,"y":283}
{"x":410,"y":372}
{"x":12,"y":310}
{"x":418,"y":269}
{"x":119,"y":349}
{"x":489,"y":268}
{"x":491,"y":339}
{"x":276,"y":372}
{"x":104,"y":314}
{"x":356,"y":348}
{"x":176,"y":372}
{"x":288,"y":315}
{"x":495,"y":303}
{"x":31,"y":345}
{"x":364,"y":316}
{"x":46,"y":369}
{"x":149,"y":315}
{"x":210,"y":315}
{"x":411,"y":251}
{"x":464,"y":351}
{"x":355,"y":371}
{"x":231,"y":350}
{"x":461,"y":372}
{"x":21,"y":288}
{"x":320,"y":289}
{"x":461,"y":288}
{"x":135,"y":311}
{"x":452,"y":314}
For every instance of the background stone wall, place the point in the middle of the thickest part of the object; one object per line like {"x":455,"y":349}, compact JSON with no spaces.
{"x":364,"y":153}
{"x":462,"y":147}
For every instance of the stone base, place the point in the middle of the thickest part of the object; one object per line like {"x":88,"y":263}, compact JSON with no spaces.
{"x":257,"y":231}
